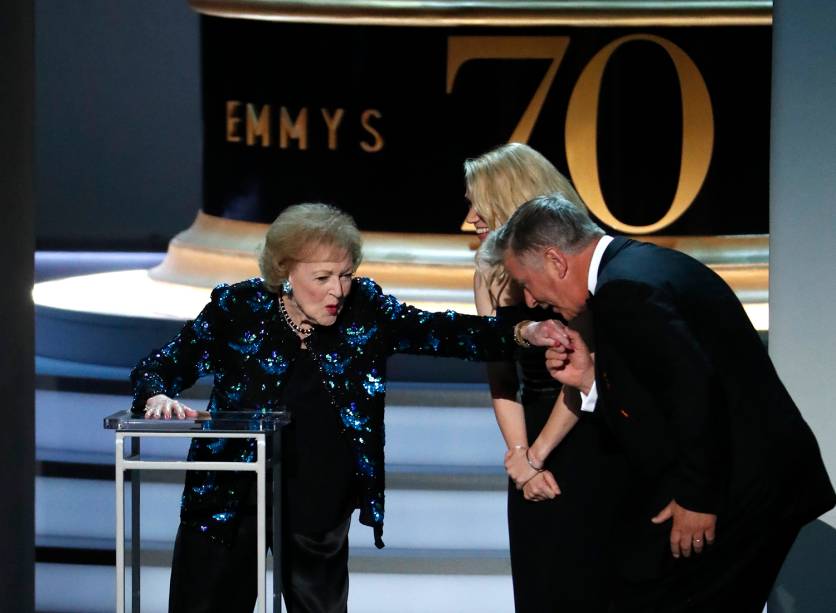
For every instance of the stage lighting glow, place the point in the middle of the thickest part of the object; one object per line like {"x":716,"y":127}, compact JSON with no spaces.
{"x":133,"y":293}
{"x":127,"y":293}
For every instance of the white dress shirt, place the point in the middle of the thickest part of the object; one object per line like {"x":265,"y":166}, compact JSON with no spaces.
{"x":588,"y":400}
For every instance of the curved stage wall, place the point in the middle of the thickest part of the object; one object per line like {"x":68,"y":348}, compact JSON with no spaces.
{"x":660,"y":117}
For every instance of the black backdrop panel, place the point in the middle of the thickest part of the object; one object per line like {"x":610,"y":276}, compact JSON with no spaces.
{"x":378,"y":120}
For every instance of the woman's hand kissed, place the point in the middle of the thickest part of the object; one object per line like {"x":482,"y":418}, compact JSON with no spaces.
{"x":163,"y":407}
{"x":547,"y":333}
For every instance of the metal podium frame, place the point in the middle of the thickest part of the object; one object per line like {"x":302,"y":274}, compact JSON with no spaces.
{"x":233,"y":424}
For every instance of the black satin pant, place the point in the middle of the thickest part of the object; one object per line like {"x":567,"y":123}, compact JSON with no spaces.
{"x":210,"y":577}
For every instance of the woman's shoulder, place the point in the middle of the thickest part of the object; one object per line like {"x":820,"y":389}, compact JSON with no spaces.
{"x":366,"y":285}
{"x":249,"y":296}
{"x":365,"y":291}
{"x":370,"y":302}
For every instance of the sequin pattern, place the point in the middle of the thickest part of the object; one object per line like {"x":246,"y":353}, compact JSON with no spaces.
{"x":275,"y":364}
{"x":357,"y":336}
{"x":353,"y":420}
{"x":248,"y":343}
{"x":334,"y":364}
{"x":238,"y":338}
{"x":374,"y":384}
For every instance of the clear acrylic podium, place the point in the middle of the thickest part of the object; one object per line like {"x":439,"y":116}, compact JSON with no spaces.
{"x":265,"y":428}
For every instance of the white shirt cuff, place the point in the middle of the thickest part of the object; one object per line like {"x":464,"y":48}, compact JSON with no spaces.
{"x":588,"y":400}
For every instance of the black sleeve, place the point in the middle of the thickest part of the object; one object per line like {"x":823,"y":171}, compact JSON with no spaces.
{"x":666,"y":359}
{"x":179,"y":363}
{"x":407,"y":329}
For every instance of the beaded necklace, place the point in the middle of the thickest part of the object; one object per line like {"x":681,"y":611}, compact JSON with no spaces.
{"x":305,"y":332}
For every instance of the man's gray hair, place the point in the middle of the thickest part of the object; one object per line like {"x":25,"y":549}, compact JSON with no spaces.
{"x":546,"y":221}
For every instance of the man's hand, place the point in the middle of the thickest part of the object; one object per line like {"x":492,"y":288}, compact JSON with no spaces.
{"x":572,"y":363}
{"x":542,"y":486}
{"x":690,"y":530}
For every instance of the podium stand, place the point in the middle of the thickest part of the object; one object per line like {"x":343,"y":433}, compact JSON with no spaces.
{"x":263,"y":427}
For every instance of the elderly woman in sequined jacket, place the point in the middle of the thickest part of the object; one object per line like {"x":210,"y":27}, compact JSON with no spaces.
{"x":310,"y":337}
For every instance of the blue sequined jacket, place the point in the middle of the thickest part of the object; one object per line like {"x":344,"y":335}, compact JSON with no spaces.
{"x":241,"y":339}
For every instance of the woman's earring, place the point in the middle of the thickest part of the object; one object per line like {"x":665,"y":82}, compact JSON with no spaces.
{"x":287,"y":287}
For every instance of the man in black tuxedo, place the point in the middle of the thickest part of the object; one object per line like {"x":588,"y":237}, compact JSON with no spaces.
{"x":723,"y":469}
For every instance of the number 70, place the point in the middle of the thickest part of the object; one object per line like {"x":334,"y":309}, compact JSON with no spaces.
{"x":582,"y":113}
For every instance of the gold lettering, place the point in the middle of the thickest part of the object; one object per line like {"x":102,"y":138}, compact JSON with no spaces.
{"x":333,"y":122}
{"x":258,"y":125}
{"x":697,"y":135}
{"x":378,"y":139}
{"x":293,"y":129}
{"x":232,"y":121}
{"x":462,"y":49}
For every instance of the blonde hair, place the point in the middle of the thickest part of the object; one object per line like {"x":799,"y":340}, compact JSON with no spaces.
{"x":502,"y":180}
{"x":299,"y":231}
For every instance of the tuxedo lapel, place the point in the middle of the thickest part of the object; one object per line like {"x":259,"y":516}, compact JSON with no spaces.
{"x":618,"y":244}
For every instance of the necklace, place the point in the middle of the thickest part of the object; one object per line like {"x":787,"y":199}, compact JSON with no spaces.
{"x":298,"y":329}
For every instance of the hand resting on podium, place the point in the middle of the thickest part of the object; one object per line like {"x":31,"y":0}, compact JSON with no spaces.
{"x":163,"y":407}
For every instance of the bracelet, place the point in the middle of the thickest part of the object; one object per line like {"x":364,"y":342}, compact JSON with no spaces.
{"x":531,"y":464}
{"x":519,"y":447}
{"x":518,"y":337}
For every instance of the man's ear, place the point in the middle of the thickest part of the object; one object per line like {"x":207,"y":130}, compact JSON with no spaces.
{"x":556,"y":260}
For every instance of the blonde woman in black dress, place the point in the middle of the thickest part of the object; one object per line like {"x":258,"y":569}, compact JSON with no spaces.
{"x":559,"y":516}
